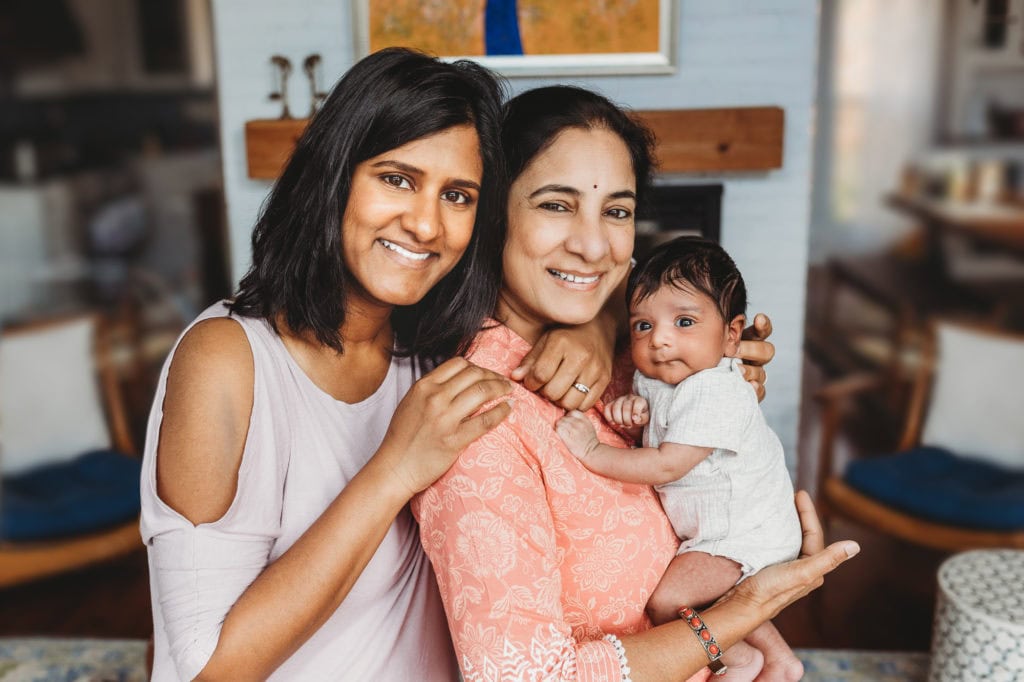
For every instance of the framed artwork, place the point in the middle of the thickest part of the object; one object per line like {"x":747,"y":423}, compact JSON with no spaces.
{"x":528,"y":37}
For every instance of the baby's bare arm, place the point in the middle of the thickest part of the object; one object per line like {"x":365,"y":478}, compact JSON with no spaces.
{"x":649,"y":466}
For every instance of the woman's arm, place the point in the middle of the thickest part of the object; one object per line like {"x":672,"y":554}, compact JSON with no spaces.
{"x":672,"y":650}
{"x":489,"y":533}
{"x":206,"y":413}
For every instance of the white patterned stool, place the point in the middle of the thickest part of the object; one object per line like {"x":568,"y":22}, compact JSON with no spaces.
{"x":979,"y":618}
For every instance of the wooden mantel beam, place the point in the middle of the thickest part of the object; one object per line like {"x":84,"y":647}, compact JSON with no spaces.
{"x":716,"y":140}
{"x":689,"y":140}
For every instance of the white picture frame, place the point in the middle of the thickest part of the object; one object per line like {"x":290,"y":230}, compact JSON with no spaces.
{"x":663,"y":61}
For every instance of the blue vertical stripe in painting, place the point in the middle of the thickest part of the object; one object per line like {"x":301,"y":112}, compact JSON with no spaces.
{"x":501,"y":28}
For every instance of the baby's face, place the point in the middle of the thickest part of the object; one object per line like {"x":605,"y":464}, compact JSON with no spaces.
{"x":678,"y":332}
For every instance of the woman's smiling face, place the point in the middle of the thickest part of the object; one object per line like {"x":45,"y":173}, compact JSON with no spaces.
{"x":570,"y":231}
{"x":410,"y":214}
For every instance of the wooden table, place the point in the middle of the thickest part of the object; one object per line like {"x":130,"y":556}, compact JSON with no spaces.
{"x":998,"y":225}
{"x":997,"y":228}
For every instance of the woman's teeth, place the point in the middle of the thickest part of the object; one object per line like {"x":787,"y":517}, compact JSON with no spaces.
{"x":402,"y":251}
{"x":576,"y":279}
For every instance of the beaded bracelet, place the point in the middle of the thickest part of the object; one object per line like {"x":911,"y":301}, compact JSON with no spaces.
{"x":620,"y":651}
{"x":706,"y":639}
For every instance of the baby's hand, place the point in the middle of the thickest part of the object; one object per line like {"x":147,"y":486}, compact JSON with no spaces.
{"x":627,"y":411}
{"x":577,"y":433}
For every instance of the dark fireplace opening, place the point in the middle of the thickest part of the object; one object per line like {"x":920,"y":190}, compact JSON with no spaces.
{"x":674,"y":210}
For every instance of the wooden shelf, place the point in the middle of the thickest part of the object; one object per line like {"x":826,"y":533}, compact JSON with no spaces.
{"x":689,"y":140}
{"x":269,"y":144}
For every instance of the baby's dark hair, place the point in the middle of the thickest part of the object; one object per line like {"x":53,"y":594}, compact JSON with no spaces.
{"x":691,"y":263}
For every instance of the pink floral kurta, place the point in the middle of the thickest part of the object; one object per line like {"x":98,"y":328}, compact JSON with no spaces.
{"x":536,"y":557}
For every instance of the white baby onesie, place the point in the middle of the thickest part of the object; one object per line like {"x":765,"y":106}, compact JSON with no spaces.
{"x":738,"y":502}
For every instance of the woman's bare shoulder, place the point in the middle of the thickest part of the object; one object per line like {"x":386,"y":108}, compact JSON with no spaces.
{"x":217,"y":346}
{"x":206,"y":411}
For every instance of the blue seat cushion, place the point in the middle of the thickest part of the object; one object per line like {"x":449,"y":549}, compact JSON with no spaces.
{"x":93,"y":491}
{"x":937,"y":485}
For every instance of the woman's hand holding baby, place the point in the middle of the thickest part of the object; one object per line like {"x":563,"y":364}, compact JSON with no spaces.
{"x":756,"y":351}
{"x":776,"y":587}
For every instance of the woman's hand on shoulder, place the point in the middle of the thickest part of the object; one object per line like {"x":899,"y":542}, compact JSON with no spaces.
{"x":206,"y":413}
{"x":776,"y":587}
{"x":438,"y":418}
{"x":756,"y":351}
{"x":567,"y":356}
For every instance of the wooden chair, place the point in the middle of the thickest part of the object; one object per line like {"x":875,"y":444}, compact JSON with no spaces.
{"x":25,"y":561}
{"x":837,"y":497}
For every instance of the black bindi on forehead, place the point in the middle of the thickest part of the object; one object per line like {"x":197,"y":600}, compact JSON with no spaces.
{"x":595,"y":186}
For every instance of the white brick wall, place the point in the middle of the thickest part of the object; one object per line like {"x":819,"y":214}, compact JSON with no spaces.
{"x":731,"y":53}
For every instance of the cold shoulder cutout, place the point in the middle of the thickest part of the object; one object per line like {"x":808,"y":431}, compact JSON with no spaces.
{"x":206,"y":413}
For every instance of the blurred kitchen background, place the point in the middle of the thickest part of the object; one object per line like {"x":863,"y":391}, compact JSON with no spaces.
{"x":112,"y":206}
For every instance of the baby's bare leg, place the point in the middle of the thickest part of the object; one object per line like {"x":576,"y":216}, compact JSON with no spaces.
{"x":780,"y":663}
{"x":692,"y":579}
{"x":697,"y":579}
{"x":743,"y":662}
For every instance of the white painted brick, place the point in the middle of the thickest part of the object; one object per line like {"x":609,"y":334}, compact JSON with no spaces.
{"x":731,"y":53}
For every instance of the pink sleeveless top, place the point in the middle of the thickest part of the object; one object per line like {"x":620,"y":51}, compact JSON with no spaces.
{"x":302,"y":448}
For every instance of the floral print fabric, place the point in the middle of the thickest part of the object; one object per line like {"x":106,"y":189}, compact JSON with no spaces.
{"x":536,"y":557}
